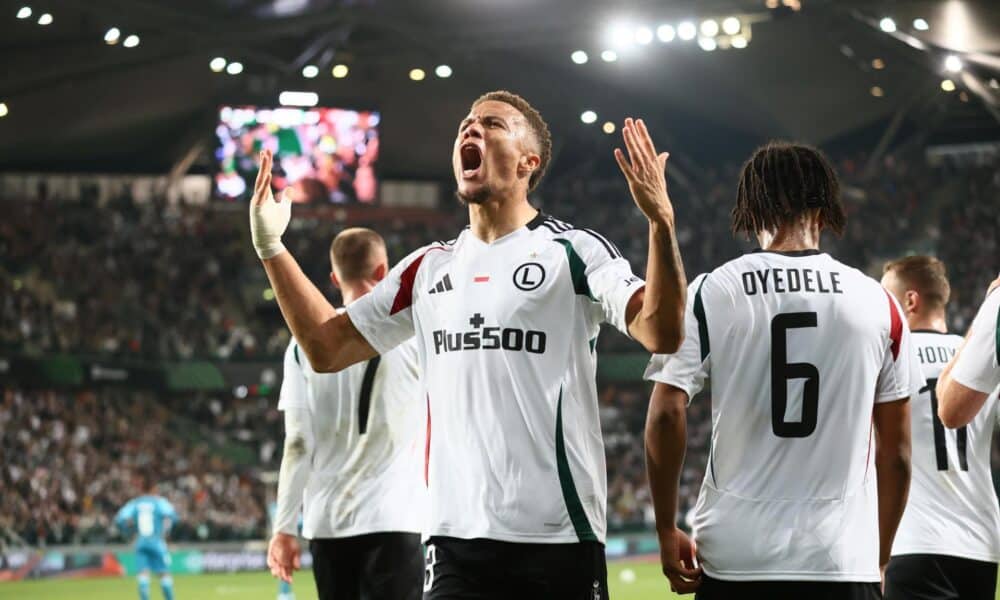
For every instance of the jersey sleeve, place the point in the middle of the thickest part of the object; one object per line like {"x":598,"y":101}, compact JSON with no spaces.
{"x":294,"y":385}
{"x":689,"y":366}
{"x":901,"y":375}
{"x":125,"y":513}
{"x":384,"y":316}
{"x":607,"y":275}
{"x":977,"y":366}
{"x":168,"y":511}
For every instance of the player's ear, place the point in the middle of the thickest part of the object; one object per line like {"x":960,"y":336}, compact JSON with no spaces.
{"x":912,"y":303}
{"x":528,"y":163}
{"x":334,"y":280}
{"x":380,"y":271}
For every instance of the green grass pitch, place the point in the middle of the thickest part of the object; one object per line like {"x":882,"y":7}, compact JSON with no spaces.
{"x":644,"y":583}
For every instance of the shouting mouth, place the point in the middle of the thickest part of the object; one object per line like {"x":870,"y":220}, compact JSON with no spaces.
{"x":472,"y":160}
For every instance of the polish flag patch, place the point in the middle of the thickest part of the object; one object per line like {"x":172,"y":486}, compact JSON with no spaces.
{"x":481,"y":278}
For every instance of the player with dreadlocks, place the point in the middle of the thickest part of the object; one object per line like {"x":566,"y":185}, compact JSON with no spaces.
{"x":806,"y":357}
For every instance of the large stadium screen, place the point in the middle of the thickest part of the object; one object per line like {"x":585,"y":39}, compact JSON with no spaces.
{"x":323,"y":154}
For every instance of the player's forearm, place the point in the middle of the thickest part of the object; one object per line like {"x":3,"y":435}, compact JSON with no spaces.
{"x":958,"y":405}
{"x":659,"y":324}
{"x":666,"y":441}
{"x":307,"y":312}
{"x":892,"y":468}
{"x":296,"y":463}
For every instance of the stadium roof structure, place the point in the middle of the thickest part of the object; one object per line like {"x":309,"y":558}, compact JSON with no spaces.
{"x":814,"y":70}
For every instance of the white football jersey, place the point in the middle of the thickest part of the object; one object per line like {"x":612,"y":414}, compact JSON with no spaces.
{"x":506,"y":334}
{"x":952,"y":509}
{"x":368,"y":426}
{"x":799,"y":347}
{"x":977,"y":366}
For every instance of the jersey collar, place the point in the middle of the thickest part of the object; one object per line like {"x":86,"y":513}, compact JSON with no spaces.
{"x":809,"y":252}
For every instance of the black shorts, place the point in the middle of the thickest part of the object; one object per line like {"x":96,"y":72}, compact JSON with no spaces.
{"x":376,"y":566}
{"x":939,"y":577}
{"x":716,"y":589}
{"x":481,"y":569}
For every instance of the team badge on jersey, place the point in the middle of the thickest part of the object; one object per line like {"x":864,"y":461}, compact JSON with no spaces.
{"x":529,"y":276}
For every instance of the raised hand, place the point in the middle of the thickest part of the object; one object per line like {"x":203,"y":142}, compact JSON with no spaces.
{"x":644,"y":170}
{"x":677,"y":558}
{"x":283,"y":556}
{"x":269,"y":216}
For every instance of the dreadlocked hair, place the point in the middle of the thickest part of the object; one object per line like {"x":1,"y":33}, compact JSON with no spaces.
{"x":781,"y":181}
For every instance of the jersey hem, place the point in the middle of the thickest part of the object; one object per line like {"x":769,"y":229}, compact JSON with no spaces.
{"x":792,"y":576}
{"x":524,"y":538}
{"x":936,"y":551}
{"x":974,"y":383}
{"x":353,"y":532}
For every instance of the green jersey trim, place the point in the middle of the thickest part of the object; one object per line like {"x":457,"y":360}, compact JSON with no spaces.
{"x":699,"y":314}
{"x":573,"y":504}
{"x":577,"y":269}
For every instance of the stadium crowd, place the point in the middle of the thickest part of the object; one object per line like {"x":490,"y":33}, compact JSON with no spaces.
{"x":71,"y":460}
{"x":166,"y":282}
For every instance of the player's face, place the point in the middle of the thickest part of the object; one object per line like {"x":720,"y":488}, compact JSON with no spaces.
{"x":493,"y":142}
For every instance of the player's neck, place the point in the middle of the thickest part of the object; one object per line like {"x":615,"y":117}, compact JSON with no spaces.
{"x":932,"y":322}
{"x":353,"y":291}
{"x":790,"y":238}
{"x":496,"y":217}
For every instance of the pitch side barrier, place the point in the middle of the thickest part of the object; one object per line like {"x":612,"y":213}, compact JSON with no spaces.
{"x":57,"y":562}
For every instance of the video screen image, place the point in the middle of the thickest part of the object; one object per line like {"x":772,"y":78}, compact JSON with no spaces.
{"x":324,"y":155}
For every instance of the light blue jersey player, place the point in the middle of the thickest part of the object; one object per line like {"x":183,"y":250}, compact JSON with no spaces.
{"x":149,"y":517}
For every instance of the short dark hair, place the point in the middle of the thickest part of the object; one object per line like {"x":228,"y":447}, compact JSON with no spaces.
{"x":353,"y":253}
{"x":781,"y":181}
{"x":535,"y":121}
{"x":926,"y":275}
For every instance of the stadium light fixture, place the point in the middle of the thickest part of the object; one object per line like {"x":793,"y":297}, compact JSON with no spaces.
{"x":4,"y":111}
{"x":995,"y":84}
{"x":131,"y":41}
{"x":45,"y":19}
{"x":298,"y":98}
{"x":948,"y":85}
{"x":963,"y":96}
{"x":739,"y":42}
{"x":731,"y":26}
{"x":887,"y":25}
{"x":710,"y":27}
{"x":921,"y":25}
{"x":310,"y":71}
{"x":608,"y":127}
{"x":609,"y":56}
{"x":643,"y":35}
{"x":666,"y":33}
{"x":621,"y":35}
{"x":339,"y":71}
{"x":707,"y":44}
{"x":24,"y":12}
{"x":443,"y":71}
{"x":953,"y":64}
{"x":218,"y":64}
{"x":877,"y":91}
{"x":579,"y":57}
{"x":878,"y":64}
{"x":588,"y":116}
{"x":234,"y":68}
{"x":686,"y":31}
{"x":112,"y":36}
{"x":417,"y":74}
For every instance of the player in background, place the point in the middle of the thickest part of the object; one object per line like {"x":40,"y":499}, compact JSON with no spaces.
{"x":974,"y":372}
{"x":149,"y":517}
{"x":805,"y":355}
{"x":948,"y":543}
{"x":506,"y":319}
{"x":354,"y":452}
